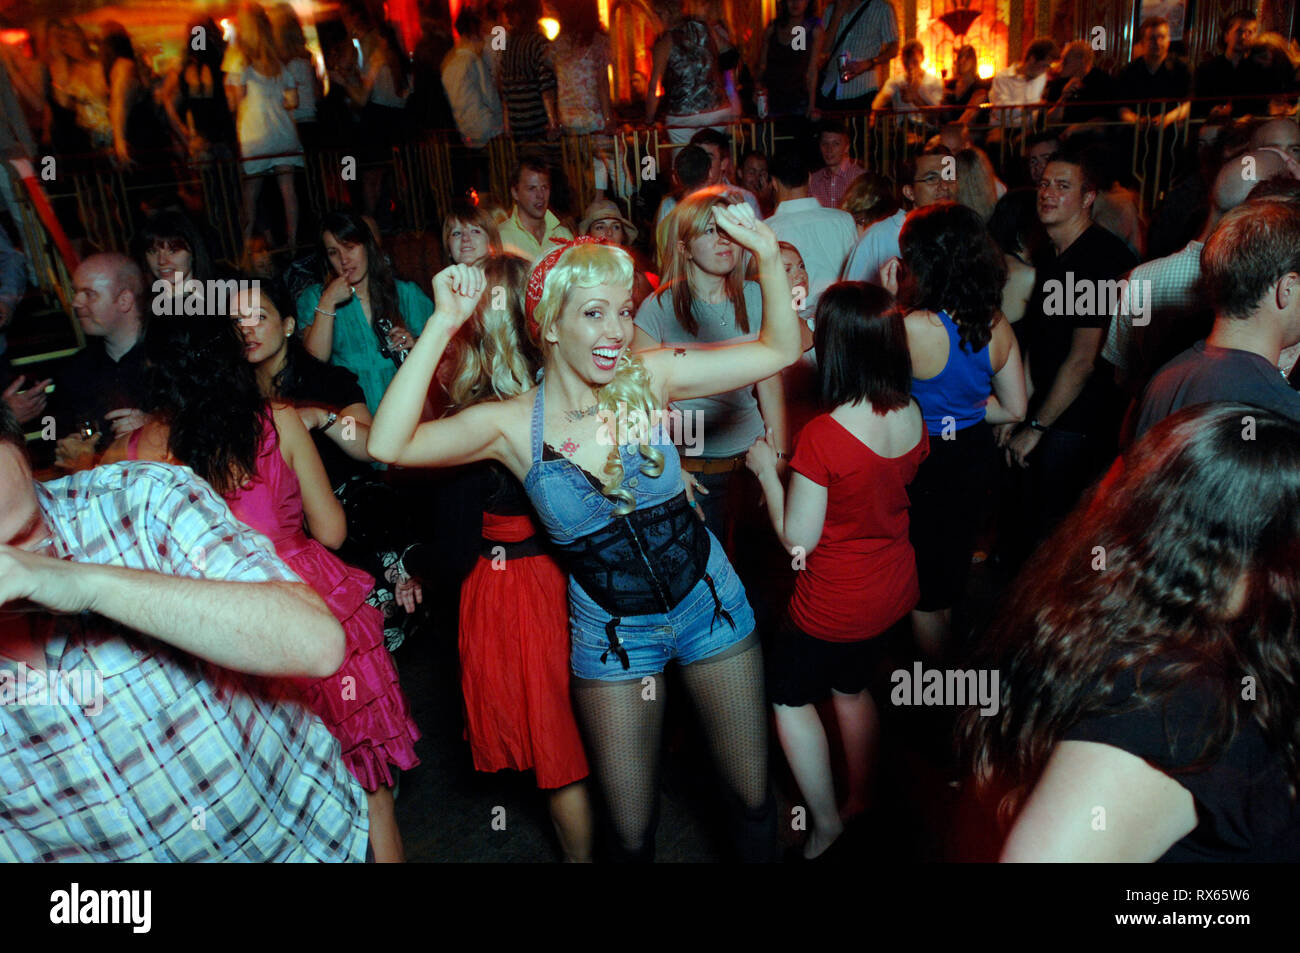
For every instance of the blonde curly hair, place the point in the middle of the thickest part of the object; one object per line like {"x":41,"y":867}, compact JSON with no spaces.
{"x":493,"y":358}
{"x":630,"y":392}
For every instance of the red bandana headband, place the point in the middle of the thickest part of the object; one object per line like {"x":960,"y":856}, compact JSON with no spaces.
{"x":537,"y":280}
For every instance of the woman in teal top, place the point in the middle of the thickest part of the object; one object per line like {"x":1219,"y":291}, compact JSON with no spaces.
{"x":362,"y":318}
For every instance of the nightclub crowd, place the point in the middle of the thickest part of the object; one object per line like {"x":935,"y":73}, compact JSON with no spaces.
{"x":991,"y":428}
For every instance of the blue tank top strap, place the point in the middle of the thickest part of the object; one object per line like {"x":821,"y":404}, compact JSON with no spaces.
{"x":954,"y":335}
{"x":539,"y":409}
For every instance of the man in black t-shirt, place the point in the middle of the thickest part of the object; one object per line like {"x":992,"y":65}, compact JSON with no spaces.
{"x":1223,"y":81}
{"x":1155,"y":75}
{"x":1075,"y":410}
{"x":1250,"y":269}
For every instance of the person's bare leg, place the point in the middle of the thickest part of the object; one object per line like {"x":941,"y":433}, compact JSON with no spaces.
{"x":252,"y":186}
{"x":385,"y":838}
{"x":859,"y":723}
{"x":803,"y":739}
{"x":289,"y":194}
{"x":571,"y":814}
{"x":931,"y":630}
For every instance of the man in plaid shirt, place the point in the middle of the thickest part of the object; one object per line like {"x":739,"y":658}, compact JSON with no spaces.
{"x":135,"y":578}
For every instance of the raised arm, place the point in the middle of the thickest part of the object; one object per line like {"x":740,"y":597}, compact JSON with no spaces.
{"x":349,"y":431}
{"x":683,"y":373}
{"x":397,"y":436}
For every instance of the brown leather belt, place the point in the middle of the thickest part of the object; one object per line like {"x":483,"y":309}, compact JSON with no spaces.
{"x":707,"y":465}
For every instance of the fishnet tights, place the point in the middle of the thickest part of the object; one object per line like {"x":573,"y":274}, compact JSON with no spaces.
{"x":624,"y":727}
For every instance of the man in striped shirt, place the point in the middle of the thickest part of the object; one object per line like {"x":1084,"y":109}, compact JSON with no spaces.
{"x":860,"y":37}
{"x":130,"y":598}
{"x":527,"y":77}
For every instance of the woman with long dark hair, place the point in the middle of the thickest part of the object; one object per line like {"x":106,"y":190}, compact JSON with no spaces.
{"x":209,"y":415}
{"x":845,"y":513}
{"x":360,"y":316}
{"x":967,"y":377}
{"x":138,"y":135}
{"x":592,"y":448}
{"x":1148,"y":658}
{"x":194,"y":95}
{"x":332,"y":406}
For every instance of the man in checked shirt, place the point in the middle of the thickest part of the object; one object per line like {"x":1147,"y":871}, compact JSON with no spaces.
{"x":137,"y":579}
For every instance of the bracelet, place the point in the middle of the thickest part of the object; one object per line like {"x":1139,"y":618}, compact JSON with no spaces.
{"x":1035,"y":424}
{"x":782,"y":455}
{"x":329,"y":421}
{"x":331,"y":314}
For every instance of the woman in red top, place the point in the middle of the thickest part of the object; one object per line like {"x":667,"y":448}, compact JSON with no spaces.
{"x":844,"y":520}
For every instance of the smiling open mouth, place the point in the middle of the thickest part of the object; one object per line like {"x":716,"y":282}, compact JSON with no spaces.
{"x":605,"y":357}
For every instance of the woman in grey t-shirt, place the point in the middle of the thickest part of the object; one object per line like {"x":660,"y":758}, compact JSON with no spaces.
{"x":704,"y":300}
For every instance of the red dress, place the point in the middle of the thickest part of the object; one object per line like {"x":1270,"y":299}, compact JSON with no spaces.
{"x":362,"y":703}
{"x":514,"y":657}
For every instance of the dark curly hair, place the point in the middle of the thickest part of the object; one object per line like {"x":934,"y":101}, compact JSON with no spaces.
{"x":200,"y":385}
{"x":1192,"y":514}
{"x":953,"y":265}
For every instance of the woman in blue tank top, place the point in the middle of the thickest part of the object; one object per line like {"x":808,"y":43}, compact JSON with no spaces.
{"x":648,"y":583}
{"x":967,"y":377}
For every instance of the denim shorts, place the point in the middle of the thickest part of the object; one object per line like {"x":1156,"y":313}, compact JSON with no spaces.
{"x":690,"y":632}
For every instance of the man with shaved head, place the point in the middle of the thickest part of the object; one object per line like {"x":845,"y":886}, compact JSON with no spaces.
{"x":1282,"y":135}
{"x":1250,"y":270}
{"x":101,"y":388}
{"x":1173,"y":312}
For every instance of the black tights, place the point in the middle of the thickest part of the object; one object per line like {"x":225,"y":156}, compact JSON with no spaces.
{"x":624,"y":726}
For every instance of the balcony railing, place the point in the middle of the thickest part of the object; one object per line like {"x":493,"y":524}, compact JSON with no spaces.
{"x":100,"y":201}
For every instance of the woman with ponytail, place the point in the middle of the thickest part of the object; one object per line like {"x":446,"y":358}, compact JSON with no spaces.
{"x":648,"y":583}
